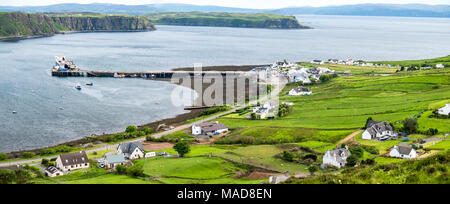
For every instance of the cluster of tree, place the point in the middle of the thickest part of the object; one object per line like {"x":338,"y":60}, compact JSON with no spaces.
{"x":130,"y":133}
{"x":56,"y":150}
{"x":301,"y":157}
{"x":47,"y":163}
{"x":28,"y":155}
{"x":213,"y":110}
{"x":3,"y":156}
{"x":410,"y":125}
{"x":431,"y":131}
{"x":133,"y":171}
{"x":20,"y":176}
{"x":182,"y":147}
{"x":327,"y":77}
{"x":357,"y":154}
{"x":284,"y":110}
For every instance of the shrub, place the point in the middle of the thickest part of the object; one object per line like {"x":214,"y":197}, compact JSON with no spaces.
{"x":147,"y":130}
{"x":135,"y":171}
{"x":121,"y":170}
{"x":410,"y":125}
{"x":352,"y":160}
{"x":358,"y":152}
{"x":310,"y":156}
{"x":3,"y":156}
{"x":213,"y":110}
{"x":28,"y":155}
{"x":45,"y":162}
{"x":313,"y":169}
{"x":288,"y":156}
{"x":131,"y":129}
{"x":182,"y":148}
{"x":6,"y":176}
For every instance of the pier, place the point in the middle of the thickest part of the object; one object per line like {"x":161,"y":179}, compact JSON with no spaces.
{"x":149,"y":75}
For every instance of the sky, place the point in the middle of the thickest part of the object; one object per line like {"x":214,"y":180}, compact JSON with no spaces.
{"x":256,"y":4}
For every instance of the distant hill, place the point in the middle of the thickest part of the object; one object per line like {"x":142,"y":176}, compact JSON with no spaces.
{"x":404,"y":10}
{"x":408,"y":10}
{"x":17,"y":25}
{"x":224,"y":19}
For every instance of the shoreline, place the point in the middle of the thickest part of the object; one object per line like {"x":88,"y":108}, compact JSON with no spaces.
{"x":28,"y":37}
{"x":171,"y":121}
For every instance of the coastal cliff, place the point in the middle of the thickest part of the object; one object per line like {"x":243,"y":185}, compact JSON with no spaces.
{"x":17,"y":25}
{"x":219,"y":19}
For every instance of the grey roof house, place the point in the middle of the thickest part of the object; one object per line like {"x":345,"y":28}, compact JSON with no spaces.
{"x":379,"y":131}
{"x":336,"y":157}
{"x":131,"y":150}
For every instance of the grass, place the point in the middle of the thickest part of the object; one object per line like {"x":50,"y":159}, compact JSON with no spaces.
{"x":381,"y":146}
{"x":431,"y":170}
{"x":192,"y":170}
{"x":420,"y":63}
{"x":263,"y":156}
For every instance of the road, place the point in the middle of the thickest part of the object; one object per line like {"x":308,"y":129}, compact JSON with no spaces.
{"x":274,"y":93}
{"x":349,"y":138}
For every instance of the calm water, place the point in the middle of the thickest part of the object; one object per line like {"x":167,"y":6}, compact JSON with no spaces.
{"x":111,"y":104}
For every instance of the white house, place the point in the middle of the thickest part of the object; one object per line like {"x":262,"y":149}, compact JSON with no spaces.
{"x":197,"y":128}
{"x":445,"y":110}
{"x":131,"y":150}
{"x":72,"y":161}
{"x":111,"y":161}
{"x":379,"y":131}
{"x":336,"y":157}
{"x":262,"y":113}
{"x":404,"y":152}
{"x":52,"y":171}
{"x":209,"y":128}
{"x":150,"y":154}
{"x":439,"y":66}
{"x":300,"y":91}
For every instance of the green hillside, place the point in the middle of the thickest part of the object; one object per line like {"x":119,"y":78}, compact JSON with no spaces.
{"x":16,"y":24}
{"x":219,"y":19}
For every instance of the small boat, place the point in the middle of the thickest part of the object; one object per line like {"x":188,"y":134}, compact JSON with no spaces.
{"x":157,"y":103}
{"x":61,"y":108}
{"x":78,"y":87}
{"x":14,"y":112}
{"x":90,"y":84}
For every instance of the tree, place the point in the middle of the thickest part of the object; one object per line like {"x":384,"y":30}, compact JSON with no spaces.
{"x":28,"y":155}
{"x":21,"y":176}
{"x":6,"y":176}
{"x":352,"y":160}
{"x":131,"y":129}
{"x":121,"y":169}
{"x":147,"y":130}
{"x":410,"y":125}
{"x":288,"y":156}
{"x":45,"y":162}
{"x":3,"y":156}
{"x":312,"y":169}
{"x":135,"y":171}
{"x":182,"y":148}
{"x":367,"y":121}
{"x":357,"y":151}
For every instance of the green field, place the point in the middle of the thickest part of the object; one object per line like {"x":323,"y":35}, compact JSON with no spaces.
{"x":420,"y":63}
{"x":193,"y":170}
{"x":343,"y":105}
